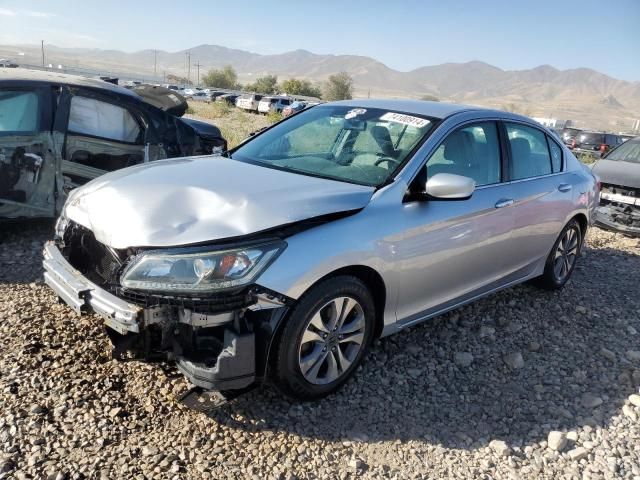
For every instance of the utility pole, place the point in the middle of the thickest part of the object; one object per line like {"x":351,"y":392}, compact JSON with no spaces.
{"x":155,"y":63}
{"x":198,"y":65}
{"x":188,"y":68}
{"x":42,"y":48}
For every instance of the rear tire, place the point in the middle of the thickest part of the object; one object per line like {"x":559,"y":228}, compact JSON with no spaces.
{"x":325,"y":338}
{"x":562,"y":258}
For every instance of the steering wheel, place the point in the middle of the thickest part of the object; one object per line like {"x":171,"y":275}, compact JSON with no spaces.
{"x":387,"y":159}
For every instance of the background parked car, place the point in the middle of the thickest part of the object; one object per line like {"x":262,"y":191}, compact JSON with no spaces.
{"x":273,"y":104}
{"x":619,"y":172}
{"x":568,"y":134}
{"x":295,"y":107}
{"x":595,"y":143}
{"x":249,"y":102}
{"x":59,"y":131}
{"x":229,"y":98}
{"x":200,"y":97}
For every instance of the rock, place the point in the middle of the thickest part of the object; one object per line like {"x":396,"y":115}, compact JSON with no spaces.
{"x":500,"y":448}
{"x":581,"y":309}
{"x":578,"y":454}
{"x":414,"y":349}
{"x":486,"y":331}
{"x":608,"y":354}
{"x":534,"y":346}
{"x":631,"y":330}
{"x":589,"y":400}
{"x":6,"y":466}
{"x":514,"y":360}
{"x":556,"y":441}
{"x":629,"y":412}
{"x":114,"y":412}
{"x":357,"y":464}
{"x":572,"y":436}
{"x":463,"y":359}
{"x":634,"y":400}
{"x":633,"y":355}
{"x":149,"y":451}
{"x":414,"y":372}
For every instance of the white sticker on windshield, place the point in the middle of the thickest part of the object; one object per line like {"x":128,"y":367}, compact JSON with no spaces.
{"x":405,"y":119}
{"x":354,"y":113}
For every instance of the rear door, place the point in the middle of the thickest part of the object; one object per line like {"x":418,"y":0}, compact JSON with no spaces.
{"x":102,"y":135}
{"x":542,"y":191}
{"x":28,"y":154}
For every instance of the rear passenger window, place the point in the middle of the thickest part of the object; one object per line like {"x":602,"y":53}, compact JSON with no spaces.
{"x":88,"y":116}
{"x":529,"y":152}
{"x":556,"y":155}
{"x":472,"y":151}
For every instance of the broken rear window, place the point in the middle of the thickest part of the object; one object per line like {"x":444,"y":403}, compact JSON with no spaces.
{"x":18,"y":111}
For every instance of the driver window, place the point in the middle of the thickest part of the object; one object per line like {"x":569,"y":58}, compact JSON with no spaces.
{"x":472,"y":151}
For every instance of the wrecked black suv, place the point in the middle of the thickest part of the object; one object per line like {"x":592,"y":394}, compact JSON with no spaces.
{"x":59,"y":131}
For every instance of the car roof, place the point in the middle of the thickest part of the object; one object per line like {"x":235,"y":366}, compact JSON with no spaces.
{"x":419,"y":107}
{"x":20,"y":75}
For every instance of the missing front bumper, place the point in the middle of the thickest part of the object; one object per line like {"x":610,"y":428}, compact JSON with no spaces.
{"x":214,"y":352}
{"x":625,"y":220}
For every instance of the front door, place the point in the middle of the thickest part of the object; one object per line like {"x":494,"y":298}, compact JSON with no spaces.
{"x":27,"y":152}
{"x":454,"y":250}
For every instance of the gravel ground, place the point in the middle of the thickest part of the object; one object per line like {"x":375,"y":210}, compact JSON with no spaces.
{"x":524,"y":384}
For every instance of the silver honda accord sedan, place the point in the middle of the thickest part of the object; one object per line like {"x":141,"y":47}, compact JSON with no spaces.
{"x":284,"y":258}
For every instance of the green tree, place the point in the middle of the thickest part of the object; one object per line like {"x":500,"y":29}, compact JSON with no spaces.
{"x":223,"y":78}
{"x":293,"y":86}
{"x":266,"y":85}
{"x":430,"y":98}
{"x":338,"y":87}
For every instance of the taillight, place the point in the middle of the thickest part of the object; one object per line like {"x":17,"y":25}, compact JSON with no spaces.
{"x":573,"y":143}
{"x":603,"y":148}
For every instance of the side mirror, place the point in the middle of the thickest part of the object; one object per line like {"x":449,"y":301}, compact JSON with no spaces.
{"x":448,"y":186}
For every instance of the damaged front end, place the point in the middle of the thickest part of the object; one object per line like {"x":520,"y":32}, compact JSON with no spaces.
{"x":219,"y":338}
{"x":619,"y":209}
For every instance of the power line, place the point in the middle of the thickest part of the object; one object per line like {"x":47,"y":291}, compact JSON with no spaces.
{"x":198,"y":65}
{"x":188,"y":68}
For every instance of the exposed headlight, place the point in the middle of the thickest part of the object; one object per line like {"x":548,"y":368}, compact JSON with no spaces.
{"x":199,"y":271}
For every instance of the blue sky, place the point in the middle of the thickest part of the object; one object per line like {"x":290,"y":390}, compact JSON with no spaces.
{"x":515,"y":34}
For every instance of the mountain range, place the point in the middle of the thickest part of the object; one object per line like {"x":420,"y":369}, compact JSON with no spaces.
{"x":588,"y":97}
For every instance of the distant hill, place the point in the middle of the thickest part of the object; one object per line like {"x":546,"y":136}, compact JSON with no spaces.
{"x":581,"y":94}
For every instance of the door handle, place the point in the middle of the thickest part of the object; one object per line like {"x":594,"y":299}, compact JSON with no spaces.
{"x":564,"y":187}
{"x":505,"y":202}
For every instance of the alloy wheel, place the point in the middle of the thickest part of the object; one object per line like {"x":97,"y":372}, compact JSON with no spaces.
{"x":566,"y":254}
{"x":332,"y":340}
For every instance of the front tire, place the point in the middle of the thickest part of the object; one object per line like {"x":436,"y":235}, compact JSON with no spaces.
{"x":325,"y":338}
{"x":562,"y":258}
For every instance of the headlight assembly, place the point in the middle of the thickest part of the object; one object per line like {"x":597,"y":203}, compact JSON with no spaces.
{"x":199,"y":271}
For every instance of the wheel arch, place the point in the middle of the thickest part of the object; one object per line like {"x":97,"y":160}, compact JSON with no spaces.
{"x":367,"y":275}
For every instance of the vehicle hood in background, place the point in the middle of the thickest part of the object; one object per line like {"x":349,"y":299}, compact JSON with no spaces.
{"x":165,"y":99}
{"x":616,"y":172}
{"x":199,"y":199}
{"x":204,"y":129}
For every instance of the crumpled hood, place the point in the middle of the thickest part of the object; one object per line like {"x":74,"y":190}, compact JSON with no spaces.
{"x":199,"y":199}
{"x":616,"y":172}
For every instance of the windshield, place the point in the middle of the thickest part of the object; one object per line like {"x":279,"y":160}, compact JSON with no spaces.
{"x":629,"y":151}
{"x":350,"y":144}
